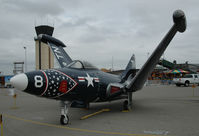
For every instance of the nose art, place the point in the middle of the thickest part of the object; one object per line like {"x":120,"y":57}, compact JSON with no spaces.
{"x":19,"y":81}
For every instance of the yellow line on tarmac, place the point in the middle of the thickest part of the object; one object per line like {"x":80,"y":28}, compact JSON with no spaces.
{"x":125,"y":111}
{"x":98,"y":112}
{"x":75,"y":129}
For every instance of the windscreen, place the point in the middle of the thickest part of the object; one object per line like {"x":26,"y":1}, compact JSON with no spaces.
{"x":81,"y":65}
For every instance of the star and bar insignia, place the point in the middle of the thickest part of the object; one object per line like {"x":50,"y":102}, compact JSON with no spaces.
{"x":89,"y":79}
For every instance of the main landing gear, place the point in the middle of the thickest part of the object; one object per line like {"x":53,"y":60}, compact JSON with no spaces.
{"x":64,"y":119}
{"x":127,"y":105}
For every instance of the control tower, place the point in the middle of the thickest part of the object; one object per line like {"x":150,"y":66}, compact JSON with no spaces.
{"x":44,"y":58}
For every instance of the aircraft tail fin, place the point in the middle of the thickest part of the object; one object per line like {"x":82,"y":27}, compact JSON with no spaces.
{"x":130,"y":68}
{"x":57,"y":48}
{"x":138,"y":81}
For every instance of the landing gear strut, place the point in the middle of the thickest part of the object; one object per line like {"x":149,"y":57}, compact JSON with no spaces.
{"x":64,"y":119}
{"x":127,"y":105}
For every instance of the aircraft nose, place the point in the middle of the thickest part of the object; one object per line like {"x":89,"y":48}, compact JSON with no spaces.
{"x":19,"y":81}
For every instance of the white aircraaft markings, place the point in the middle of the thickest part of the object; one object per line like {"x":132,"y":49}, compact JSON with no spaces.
{"x":55,"y":78}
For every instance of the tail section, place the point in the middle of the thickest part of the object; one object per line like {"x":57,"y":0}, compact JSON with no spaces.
{"x":57,"y":48}
{"x":130,"y":68}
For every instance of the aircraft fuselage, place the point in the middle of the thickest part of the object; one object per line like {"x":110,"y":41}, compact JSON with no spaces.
{"x":70,"y":84}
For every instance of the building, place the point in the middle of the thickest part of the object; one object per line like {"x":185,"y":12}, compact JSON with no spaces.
{"x":5,"y":80}
{"x":44,"y":57}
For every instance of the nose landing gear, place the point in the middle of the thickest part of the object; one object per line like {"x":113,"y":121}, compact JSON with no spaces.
{"x":64,"y":119}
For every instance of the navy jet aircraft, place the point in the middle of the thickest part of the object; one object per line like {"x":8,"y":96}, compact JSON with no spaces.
{"x":78,"y":83}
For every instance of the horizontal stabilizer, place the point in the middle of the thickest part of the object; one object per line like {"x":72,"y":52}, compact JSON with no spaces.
{"x":138,"y":81}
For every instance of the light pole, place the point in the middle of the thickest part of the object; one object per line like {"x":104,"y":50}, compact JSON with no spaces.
{"x":112,"y":64}
{"x":25,"y":70}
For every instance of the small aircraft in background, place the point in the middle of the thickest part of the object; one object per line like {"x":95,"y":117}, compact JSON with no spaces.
{"x":78,"y":83}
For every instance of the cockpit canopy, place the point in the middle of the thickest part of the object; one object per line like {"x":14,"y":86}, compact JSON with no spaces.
{"x":81,"y":65}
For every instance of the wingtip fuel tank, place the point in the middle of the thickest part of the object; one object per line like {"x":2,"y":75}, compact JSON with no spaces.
{"x":180,"y":20}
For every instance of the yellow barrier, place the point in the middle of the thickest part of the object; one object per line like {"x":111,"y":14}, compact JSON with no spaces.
{"x":87,"y":116}
{"x":193,"y":86}
{"x":15,"y":102}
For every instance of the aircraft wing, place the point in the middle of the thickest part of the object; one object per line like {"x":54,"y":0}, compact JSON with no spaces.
{"x":140,"y":78}
{"x":57,"y":48}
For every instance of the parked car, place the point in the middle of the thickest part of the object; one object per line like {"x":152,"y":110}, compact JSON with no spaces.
{"x":187,"y":80}
{"x":7,"y":81}
{"x":8,"y":85}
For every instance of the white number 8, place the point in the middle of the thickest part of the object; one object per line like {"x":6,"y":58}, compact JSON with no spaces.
{"x":38,"y":81}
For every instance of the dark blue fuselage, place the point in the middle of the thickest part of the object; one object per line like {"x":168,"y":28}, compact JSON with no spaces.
{"x":70,"y":84}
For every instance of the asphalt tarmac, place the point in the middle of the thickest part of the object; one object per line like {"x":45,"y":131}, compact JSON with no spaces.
{"x":157,"y":111}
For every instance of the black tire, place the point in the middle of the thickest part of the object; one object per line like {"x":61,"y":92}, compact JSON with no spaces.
{"x":178,"y":85}
{"x":64,"y":120}
{"x":186,"y":83}
{"x":125,"y":105}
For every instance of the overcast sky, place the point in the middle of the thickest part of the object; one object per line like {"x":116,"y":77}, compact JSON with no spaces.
{"x":97,"y":30}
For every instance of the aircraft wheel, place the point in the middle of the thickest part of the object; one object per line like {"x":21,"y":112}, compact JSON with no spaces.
{"x":186,"y":83}
{"x":64,"y":119}
{"x":125,"y":105}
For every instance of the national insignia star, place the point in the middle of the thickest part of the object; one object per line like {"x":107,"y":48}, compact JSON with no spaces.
{"x":89,"y":79}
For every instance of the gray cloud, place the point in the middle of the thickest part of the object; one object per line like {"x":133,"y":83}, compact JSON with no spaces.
{"x":31,"y":7}
{"x":97,"y":30}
